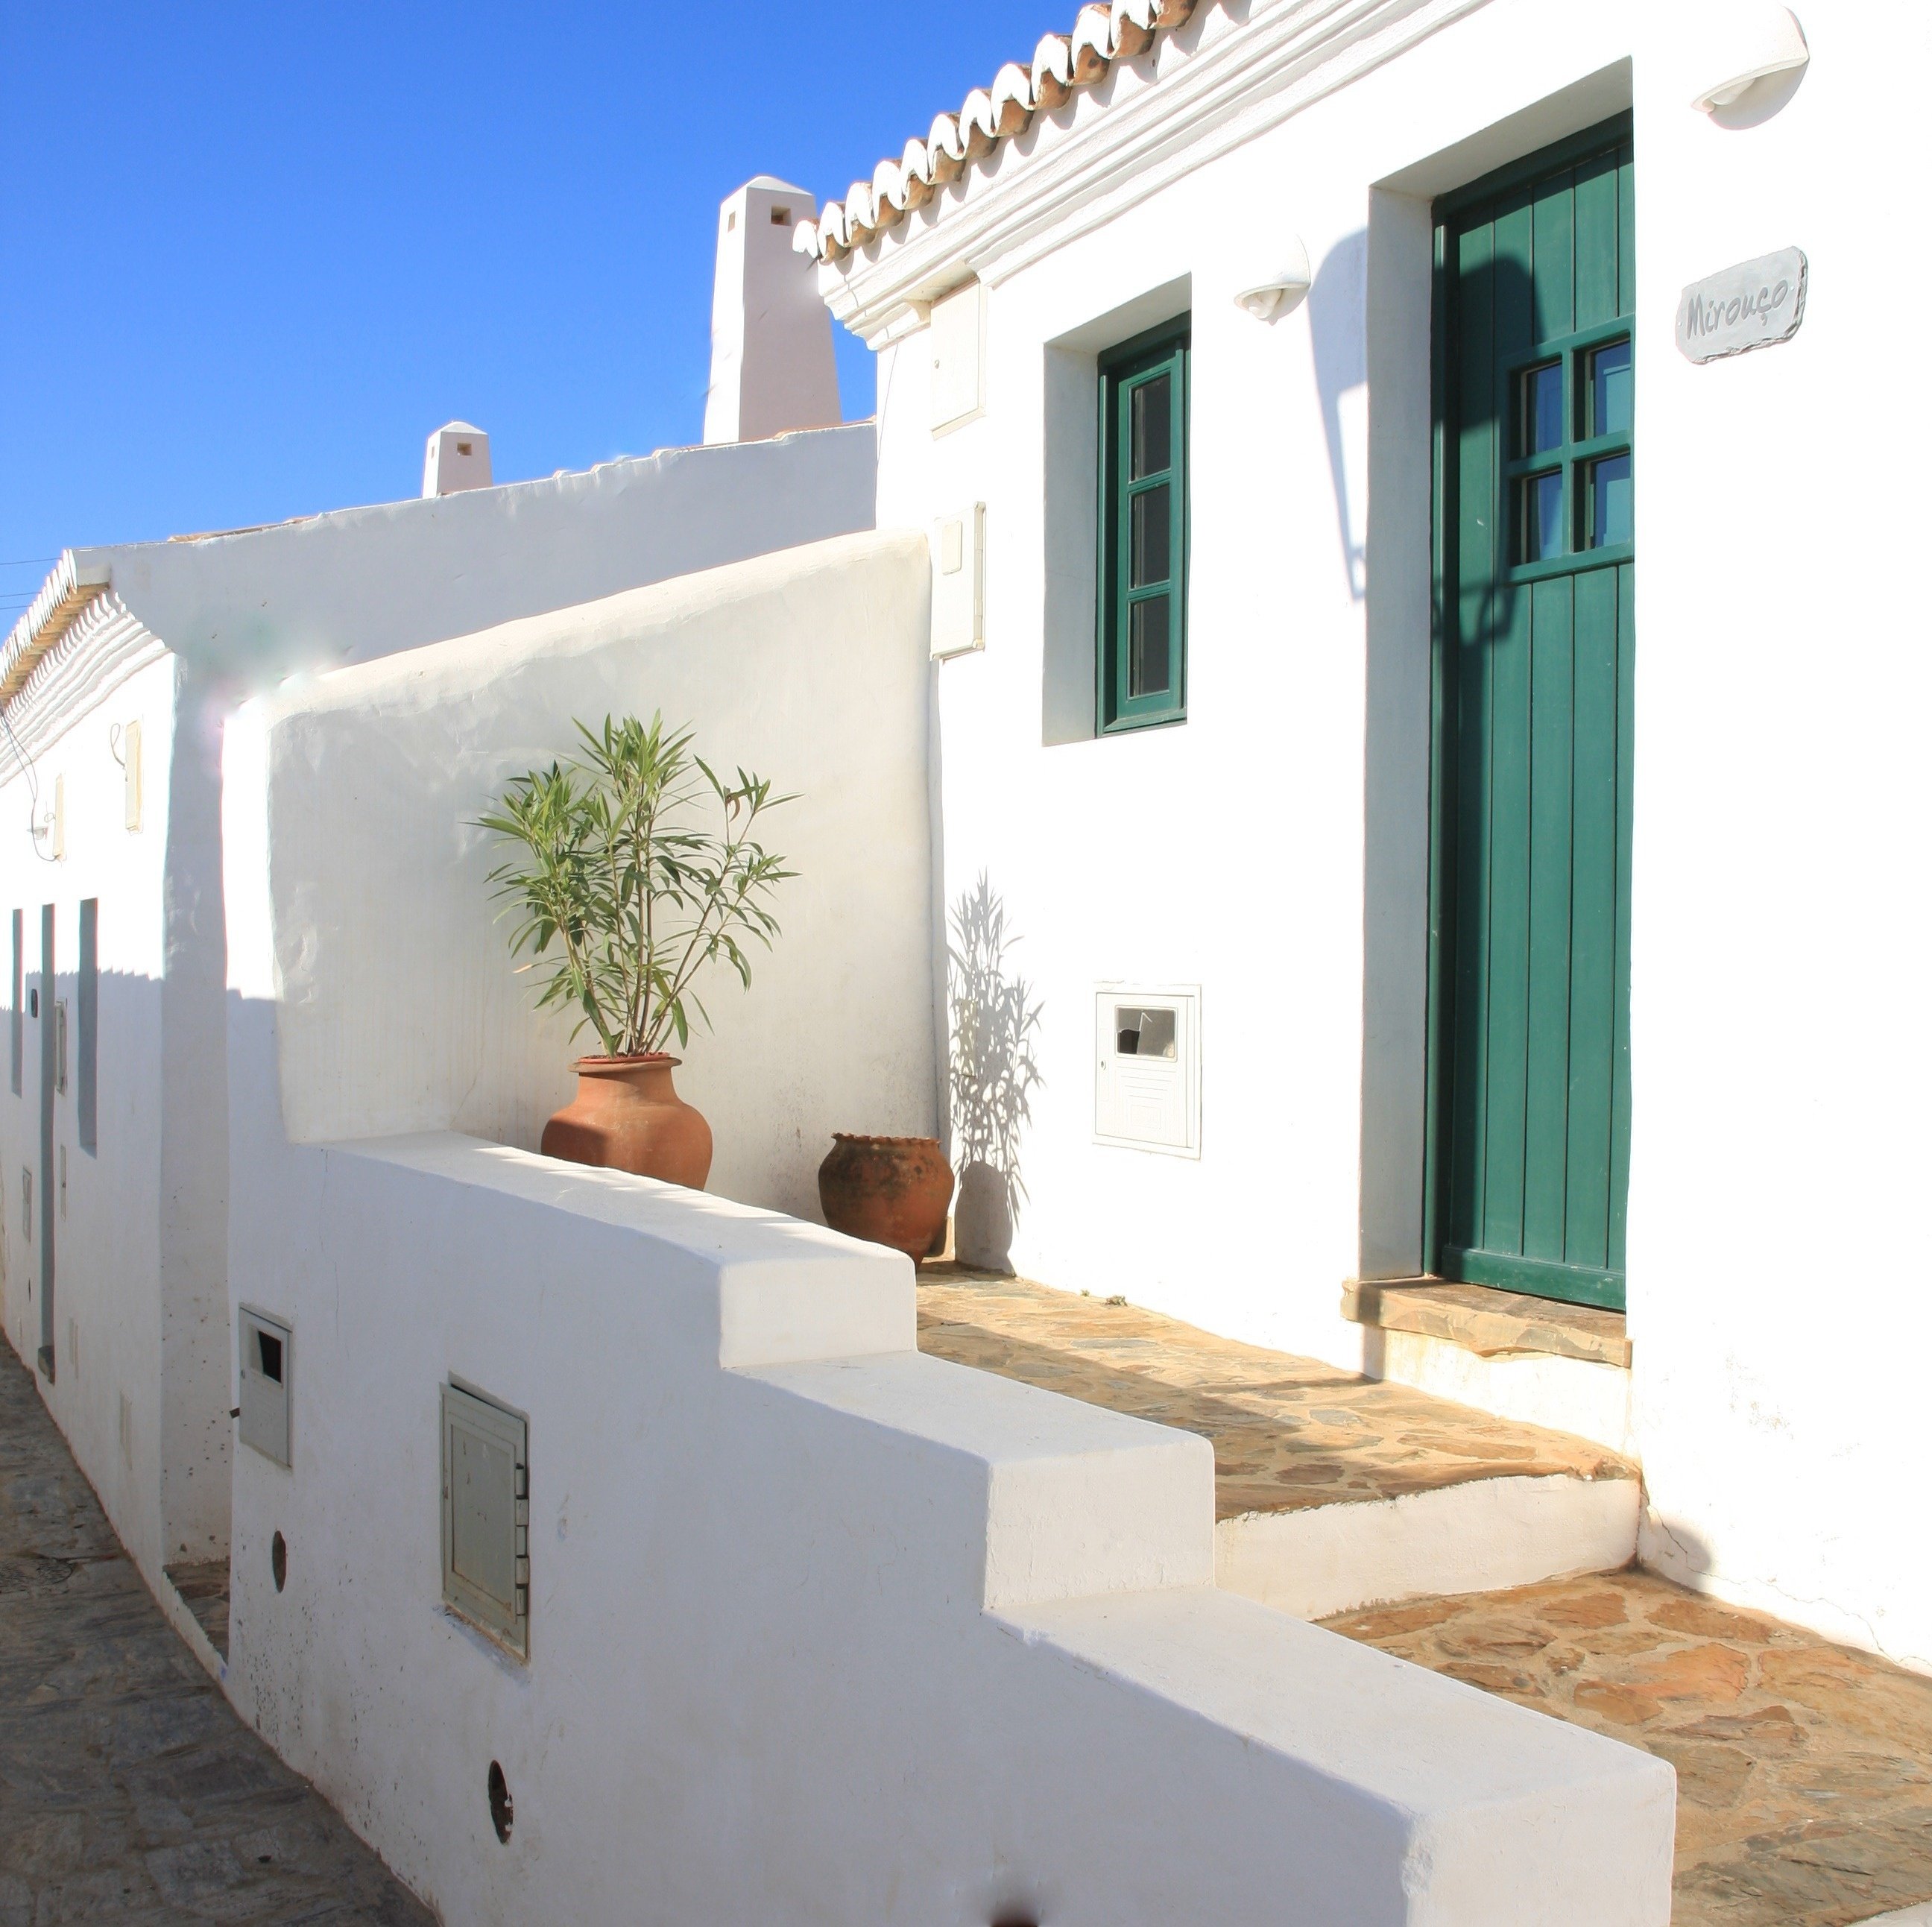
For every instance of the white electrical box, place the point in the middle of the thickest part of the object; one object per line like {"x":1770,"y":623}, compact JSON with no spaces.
{"x":267,"y":1356}
{"x":956,"y":332}
{"x":486,"y":1516}
{"x":959,"y":582}
{"x":1147,"y":1080}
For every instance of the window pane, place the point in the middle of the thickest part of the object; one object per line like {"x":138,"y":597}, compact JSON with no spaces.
{"x":1146,"y":648}
{"x":1539,"y":409}
{"x":1539,"y":516}
{"x":1152,"y":406}
{"x":1148,"y":547}
{"x":1611,"y":519}
{"x":1610,"y":390}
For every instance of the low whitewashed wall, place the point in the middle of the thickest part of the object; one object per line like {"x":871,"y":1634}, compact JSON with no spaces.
{"x":401,"y":1009}
{"x":822,"y":1630}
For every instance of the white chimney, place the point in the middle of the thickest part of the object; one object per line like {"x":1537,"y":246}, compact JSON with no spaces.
{"x":458,"y":457}
{"x":771,"y":368}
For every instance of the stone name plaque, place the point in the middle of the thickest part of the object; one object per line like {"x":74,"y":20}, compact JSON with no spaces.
{"x":1756,"y":305}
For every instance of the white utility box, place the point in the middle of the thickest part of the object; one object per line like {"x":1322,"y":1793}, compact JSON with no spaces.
{"x":486,"y":1516}
{"x":267,"y":1354}
{"x":959,"y":581}
{"x":1147,"y":1081}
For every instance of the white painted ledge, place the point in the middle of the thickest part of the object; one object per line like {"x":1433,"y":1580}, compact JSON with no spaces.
{"x":785,"y":1290}
{"x":1479,"y":1537}
{"x":1079,"y":1501}
{"x":1499,"y":1815}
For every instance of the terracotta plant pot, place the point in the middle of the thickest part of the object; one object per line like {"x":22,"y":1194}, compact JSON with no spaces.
{"x":888,"y":1190}
{"x":627,"y":1116}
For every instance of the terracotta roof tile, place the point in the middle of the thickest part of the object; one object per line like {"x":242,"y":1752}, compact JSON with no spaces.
{"x":1103,"y":34}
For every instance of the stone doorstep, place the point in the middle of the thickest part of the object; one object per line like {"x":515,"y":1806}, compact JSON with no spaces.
{"x":1490,"y":1323}
{"x":1332,"y":1490}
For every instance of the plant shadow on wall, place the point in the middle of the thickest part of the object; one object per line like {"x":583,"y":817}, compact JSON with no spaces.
{"x":994,"y":1071}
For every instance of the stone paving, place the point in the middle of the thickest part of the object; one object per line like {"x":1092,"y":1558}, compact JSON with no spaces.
{"x":129,"y":1790}
{"x":1287,"y":1432}
{"x":1804,"y":1769}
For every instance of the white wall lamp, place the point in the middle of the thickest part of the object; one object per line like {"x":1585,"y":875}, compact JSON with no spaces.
{"x":1762,"y":43}
{"x":1285,"y":290}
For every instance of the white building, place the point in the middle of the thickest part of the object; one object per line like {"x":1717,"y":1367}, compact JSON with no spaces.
{"x":1671,"y":807}
{"x":1255,"y":801}
{"x":116,"y":683}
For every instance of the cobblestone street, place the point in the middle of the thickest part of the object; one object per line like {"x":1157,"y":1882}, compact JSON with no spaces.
{"x":129,"y":1791}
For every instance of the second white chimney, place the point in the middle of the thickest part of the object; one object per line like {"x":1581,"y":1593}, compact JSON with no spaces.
{"x":458,"y":457}
{"x":771,"y":368}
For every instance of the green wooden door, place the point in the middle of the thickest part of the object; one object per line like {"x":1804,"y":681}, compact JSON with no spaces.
{"x":1530,"y":1071}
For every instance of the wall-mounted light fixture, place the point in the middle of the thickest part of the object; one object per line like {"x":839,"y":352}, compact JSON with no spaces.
{"x":1285,"y":290}
{"x":1760,"y":43}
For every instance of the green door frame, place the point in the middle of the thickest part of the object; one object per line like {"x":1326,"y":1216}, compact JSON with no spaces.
{"x":1605,"y":1288}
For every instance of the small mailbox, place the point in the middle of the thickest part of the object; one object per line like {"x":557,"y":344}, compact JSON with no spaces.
{"x":486,"y":1516}
{"x":267,"y":1354}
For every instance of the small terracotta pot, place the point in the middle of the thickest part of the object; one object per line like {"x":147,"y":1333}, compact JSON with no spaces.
{"x":888,"y":1190}
{"x":626,"y":1115}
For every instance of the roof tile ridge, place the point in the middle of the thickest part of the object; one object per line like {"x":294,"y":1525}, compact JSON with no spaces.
{"x":1103,"y":34}
{"x":1052,"y":75}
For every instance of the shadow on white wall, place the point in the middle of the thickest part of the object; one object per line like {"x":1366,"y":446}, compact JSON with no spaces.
{"x":1338,"y":331}
{"x":994,"y":1069}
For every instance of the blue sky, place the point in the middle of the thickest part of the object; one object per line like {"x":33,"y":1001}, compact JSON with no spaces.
{"x":253,"y":254}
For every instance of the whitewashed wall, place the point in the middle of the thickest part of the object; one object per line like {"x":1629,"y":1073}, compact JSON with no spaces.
{"x":1231,"y":852}
{"x":196,"y":625}
{"x":1782,"y":1034}
{"x":821,"y":1629}
{"x":401,"y":1007}
{"x":251,"y":607}
{"x":108,"y":1327}
{"x":1271,"y":850}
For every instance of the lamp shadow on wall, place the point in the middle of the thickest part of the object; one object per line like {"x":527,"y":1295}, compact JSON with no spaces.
{"x":1338,"y":330}
{"x":994,"y":1069}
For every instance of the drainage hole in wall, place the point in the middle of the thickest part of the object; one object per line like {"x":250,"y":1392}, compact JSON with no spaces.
{"x":278,"y":1560}
{"x":502,"y":1809}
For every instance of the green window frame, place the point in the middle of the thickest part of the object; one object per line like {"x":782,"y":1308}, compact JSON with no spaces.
{"x":1144,"y":517}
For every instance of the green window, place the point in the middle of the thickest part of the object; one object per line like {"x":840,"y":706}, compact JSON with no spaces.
{"x":1143,"y":599}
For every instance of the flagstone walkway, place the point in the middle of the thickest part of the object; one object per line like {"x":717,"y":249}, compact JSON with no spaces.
{"x":1288,"y":1432}
{"x":1804,"y":1769}
{"x":129,"y":1790}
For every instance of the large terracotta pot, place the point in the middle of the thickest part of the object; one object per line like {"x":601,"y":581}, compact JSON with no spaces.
{"x":888,"y":1190}
{"x":627,"y":1115}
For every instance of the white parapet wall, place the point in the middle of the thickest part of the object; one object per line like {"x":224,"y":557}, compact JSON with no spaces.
{"x":401,"y":1009}
{"x":820,"y":1629}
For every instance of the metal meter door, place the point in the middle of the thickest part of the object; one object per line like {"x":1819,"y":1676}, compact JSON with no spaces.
{"x":486,"y":1513}
{"x":268,"y":1355}
{"x":1535,"y":556}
